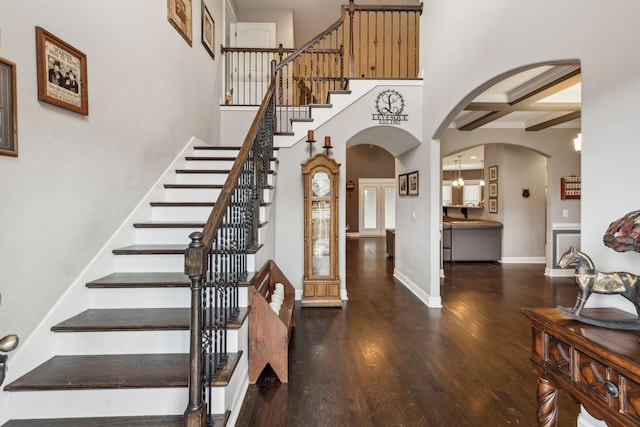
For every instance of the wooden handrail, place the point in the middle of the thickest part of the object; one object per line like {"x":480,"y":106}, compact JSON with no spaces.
{"x":217,"y":214}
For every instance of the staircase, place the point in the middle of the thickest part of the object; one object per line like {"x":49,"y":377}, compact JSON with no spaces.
{"x":125,"y":360}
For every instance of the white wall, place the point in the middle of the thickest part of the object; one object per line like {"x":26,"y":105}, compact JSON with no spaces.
{"x":282,"y":17}
{"x":524,"y":33}
{"x":77,"y":178}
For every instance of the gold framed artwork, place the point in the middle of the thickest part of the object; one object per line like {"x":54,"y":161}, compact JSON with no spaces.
{"x":8,"y":109}
{"x":493,"y":189}
{"x":62,"y":73}
{"x":180,"y":16}
{"x":493,"y":173}
{"x":493,"y":205}
{"x":208,"y":31}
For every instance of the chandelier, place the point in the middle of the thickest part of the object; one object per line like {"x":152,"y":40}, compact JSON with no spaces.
{"x":458,"y":182}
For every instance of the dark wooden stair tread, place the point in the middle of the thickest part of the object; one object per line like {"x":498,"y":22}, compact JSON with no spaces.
{"x":151,"y":421}
{"x":162,"y":250}
{"x":169,"y":224}
{"x":115,"y":371}
{"x":136,"y":319}
{"x":151,"y":250}
{"x":222,"y":147}
{"x":106,"y":371}
{"x":183,"y":204}
{"x":136,"y":421}
{"x":141,"y":280}
{"x":210,"y":158}
{"x":197,"y":186}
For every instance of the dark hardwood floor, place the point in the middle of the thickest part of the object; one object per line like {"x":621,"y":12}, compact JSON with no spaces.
{"x":385,"y":359}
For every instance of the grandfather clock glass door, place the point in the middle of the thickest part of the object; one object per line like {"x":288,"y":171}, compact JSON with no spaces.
{"x":321,"y":283}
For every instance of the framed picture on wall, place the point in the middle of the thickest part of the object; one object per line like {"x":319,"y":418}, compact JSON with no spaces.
{"x":493,"y":189}
{"x":493,"y":173}
{"x":179,"y":15}
{"x":8,"y":109}
{"x":412,"y":179}
{"x":62,"y":73}
{"x":493,"y":205}
{"x":208,"y":30}
{"x":402,"y":185}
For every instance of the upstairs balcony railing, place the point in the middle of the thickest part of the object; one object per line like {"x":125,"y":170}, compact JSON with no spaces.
{"x":367,"y":42}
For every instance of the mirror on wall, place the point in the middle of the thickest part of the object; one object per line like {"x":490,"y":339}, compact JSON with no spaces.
{"x":463,"y":178}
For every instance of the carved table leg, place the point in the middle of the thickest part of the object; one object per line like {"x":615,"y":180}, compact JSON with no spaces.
{"x":547,"y":403}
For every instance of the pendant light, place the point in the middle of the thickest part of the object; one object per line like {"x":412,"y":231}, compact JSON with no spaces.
{"x":460,"y":181}
{"x":482,"y":179}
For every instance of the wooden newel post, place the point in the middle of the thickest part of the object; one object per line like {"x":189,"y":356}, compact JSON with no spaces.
{"x":195,"y":266}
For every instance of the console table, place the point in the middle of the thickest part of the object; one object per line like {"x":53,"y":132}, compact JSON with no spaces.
{"x":598,"y":367}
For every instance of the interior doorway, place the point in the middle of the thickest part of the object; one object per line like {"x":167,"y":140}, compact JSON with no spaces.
{"x":377,"y":205}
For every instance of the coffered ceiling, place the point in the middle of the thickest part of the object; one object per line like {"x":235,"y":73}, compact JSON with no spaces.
{"x":536,"y":99}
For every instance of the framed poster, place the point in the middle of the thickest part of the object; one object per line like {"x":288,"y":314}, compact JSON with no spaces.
{"x":493,"y":205}
{"x":179,"y":15}
{"x":62,"y":73}
{"x":402,"y":185}
{"x":208,"y":30}
{"x":412,"y":179}
{"x":493,"y":173}
{"x":8,"y":109}
{"x":493,"y":189}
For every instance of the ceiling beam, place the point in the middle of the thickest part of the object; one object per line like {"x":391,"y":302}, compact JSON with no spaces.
{"x":524,"y":102}
{"x":550,"y":88}
{"x":556,"y":121}
{"x":538,"y":106}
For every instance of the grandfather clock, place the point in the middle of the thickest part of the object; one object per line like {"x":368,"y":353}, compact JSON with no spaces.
{"x":321,"y":283}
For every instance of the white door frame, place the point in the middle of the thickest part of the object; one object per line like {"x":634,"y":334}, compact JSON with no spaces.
{"x":380,"y":184}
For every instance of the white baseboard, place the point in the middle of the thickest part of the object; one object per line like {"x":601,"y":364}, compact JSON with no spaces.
{"x":524,"y":260}
{"x":558,"y":272}
{"x":428,"y":300}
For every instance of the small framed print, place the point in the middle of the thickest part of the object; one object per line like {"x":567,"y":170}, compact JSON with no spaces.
{"x":180,"y":16}
{"x":402,"y":185}
{"x":493,"y":173}
{"x":8,"y":109}
{"x":493,"y":189}
{"x":208,"y":30}
{"x":412,"y":179}
{"x":493,"y":205}
{"x":62,"y":73}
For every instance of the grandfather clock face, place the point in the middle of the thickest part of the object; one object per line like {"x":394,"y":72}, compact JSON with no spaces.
{"x":320,"y":185}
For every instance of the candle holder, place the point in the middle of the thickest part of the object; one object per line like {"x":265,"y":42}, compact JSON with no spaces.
{"x":327,"y":144}
{"x":310,"y":141}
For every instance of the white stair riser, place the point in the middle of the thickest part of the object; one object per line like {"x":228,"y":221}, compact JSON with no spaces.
{"x":206,"y":164}
{"x":169,"y":236}
{"x":191,"y":194}
{"x":201,"y":178}
{"x":101,"y":403}
{"x":139,"y":298}
{"x":215,"y":153}
{"x":180,"y":213}
{"x":122,"y":342}
{"x":158,"y":263}
{"x":149,"y":297}
{"x":132,"y":342}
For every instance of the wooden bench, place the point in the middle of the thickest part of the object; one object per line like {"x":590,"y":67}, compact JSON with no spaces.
{"x":269,"y":332}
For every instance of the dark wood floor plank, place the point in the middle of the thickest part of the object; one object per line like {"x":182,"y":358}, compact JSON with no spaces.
{"x":139,"y":421}
{"x":387,"y":359}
